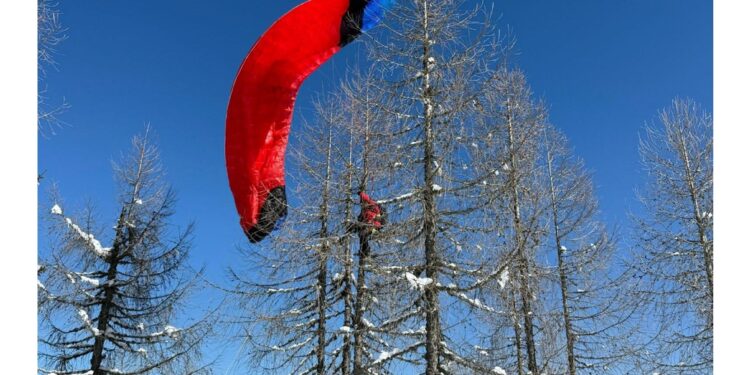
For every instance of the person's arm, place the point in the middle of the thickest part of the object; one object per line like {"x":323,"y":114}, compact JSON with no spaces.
{"x":366,"y":198}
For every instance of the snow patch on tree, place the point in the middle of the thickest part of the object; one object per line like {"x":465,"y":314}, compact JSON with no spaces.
{"x":56,"y":210}
{"x":91,"y":242}
{"x":89,"y":280}
{"x":87,"y":322}
{"x":168,"y":330}
{"x":504,"y":278}
{"x":417,"y":282}
{"x":384,"y":356}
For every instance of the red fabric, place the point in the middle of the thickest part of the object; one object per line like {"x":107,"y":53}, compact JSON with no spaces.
{"x":262,"y":100}
{"x":370,"y":210}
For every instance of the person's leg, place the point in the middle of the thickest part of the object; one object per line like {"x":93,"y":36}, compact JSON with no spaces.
{"x":350,"y":227}
{"x":364,"y":244}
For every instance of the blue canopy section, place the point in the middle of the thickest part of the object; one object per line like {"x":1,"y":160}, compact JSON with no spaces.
{"x":374,"y":12}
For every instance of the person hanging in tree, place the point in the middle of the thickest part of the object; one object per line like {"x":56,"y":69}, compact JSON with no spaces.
{"x":371,"y":216}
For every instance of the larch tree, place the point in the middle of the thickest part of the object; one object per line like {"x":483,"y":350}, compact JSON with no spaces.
{"x":368,"y":163}
{"x":518,"y":123}
{"x":674,"y":239}
{"x":50,"y":34}
{"x":587,"y":289}
{"x":283,"y":292}
{"x":565,"y":306}
{"x":118,"y":309}
{"x":437,"y":59}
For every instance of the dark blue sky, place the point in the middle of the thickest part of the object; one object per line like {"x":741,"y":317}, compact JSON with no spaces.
{"x":604,"y":67}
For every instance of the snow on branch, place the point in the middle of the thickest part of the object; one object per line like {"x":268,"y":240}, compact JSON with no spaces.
{"x":88,"y":280}
{"x":172,"y":332}
{"x":389,"y":355}
{"x":91,"y":242}
{"x":87,"y":321}
{"x":56,"y":210}
{"x":504,"y":278}
{"x":401,"y":318}
{"x":435,"y":188}
{"x":398,"y":198}
{"x":417,"y":282}
{"x":384,"y":356}
{"x":472,"y":301}
{"x":294,"y":346}
{"x":465,"y":362}
{"x":500,"y":274}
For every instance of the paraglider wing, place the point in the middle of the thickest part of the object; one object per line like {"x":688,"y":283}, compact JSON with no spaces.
{"x":262,"y":100}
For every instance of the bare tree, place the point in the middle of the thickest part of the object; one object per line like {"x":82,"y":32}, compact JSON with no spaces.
{"x":50,"y":34}
{"x":594,"y":306}
{"x":674,"y":253}
{"x":437,"y":61}
{"x":565,"y":303}
{"x":368,"y":130}
{"x":116,"y":309}
{"x":514,"y":137}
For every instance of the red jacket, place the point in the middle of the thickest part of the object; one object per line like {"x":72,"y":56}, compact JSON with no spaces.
{"x":370,"y":210}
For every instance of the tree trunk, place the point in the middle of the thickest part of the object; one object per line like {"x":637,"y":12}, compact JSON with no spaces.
{"x":569,"y":336}
{"x":97,"y":355}
{"x":364,"y":253}
{"x":528,"y":320}
{"x":347,"y":295}
{"x":517,"y":333}
{"x":320,"y":351}
{"x":523,"y":263}
{"x":360,"y":305}
{"x":432,"y":304}
{"x":699,"y":216}
{"x":346,"y":356}
{"x":323,"y":264}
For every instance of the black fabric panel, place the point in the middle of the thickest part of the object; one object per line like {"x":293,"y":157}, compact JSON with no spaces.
{"x":274,"y":208}
{"x":351,"y":24}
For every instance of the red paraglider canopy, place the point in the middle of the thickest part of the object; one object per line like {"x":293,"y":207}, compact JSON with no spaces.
{"x":262,"y":100}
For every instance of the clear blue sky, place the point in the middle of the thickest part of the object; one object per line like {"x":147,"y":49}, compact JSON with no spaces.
{"x":604,"y":67}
